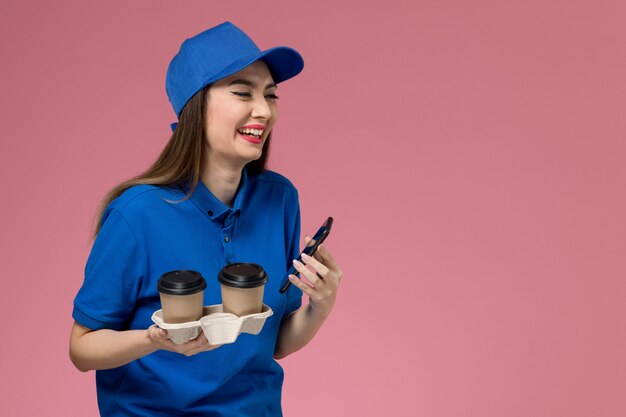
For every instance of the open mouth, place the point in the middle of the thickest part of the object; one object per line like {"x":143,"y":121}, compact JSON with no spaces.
{"x":252,"y":133}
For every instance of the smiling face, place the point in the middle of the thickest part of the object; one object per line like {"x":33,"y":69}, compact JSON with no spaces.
{"x":241,"y":111}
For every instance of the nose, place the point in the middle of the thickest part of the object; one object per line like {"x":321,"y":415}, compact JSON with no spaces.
{"x":261,"y":109}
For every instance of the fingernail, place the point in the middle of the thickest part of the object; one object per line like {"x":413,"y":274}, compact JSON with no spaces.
{"x":296,"y":262}
{"x":305,"y":256}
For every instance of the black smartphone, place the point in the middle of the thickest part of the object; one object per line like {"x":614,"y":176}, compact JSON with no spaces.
{"x":310,"y":249}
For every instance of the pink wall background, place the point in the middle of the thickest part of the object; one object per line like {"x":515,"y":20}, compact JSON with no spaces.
{"x":473,"y":155}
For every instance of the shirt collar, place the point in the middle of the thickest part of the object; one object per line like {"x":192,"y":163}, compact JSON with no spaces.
{"x":212,"y":206}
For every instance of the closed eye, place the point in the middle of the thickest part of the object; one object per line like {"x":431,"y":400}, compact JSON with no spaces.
{"x":271,"y":96}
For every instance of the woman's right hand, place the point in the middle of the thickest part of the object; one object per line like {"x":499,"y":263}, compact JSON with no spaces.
{"x":160,"y":340}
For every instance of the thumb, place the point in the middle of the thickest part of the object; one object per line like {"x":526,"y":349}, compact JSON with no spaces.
{"x":158,"y":332}
{"x":306,"y":239}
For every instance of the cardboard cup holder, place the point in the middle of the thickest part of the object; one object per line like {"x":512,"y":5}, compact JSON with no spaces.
{"x":219,"y":328}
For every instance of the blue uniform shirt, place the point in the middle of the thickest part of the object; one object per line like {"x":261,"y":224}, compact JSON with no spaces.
{"x":144,"y":236}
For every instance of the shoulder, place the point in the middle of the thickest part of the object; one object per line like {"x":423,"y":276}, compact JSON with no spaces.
{"x":273,"y":179}
{"x":143,"y":198}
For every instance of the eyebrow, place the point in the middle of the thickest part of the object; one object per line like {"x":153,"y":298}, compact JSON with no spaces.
{"x":249,"y":83}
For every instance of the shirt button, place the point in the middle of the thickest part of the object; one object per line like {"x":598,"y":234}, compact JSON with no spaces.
{"x":226,"y":239}
{"x":210,"y":213}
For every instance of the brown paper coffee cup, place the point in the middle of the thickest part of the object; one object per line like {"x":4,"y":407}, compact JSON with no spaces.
{"x":242,"y":287}
{"x":182,"y":296}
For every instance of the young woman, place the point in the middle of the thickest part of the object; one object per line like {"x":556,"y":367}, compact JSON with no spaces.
{"x":207,"y":201}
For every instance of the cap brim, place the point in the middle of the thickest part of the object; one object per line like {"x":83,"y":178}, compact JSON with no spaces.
{"x":283,"y":62}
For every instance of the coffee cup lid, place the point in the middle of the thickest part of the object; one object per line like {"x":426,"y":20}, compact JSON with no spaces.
{"x":242,"y":275}
{"x":181,"y":283}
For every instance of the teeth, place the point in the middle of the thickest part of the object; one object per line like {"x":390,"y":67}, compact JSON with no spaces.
{"x":254,"y":132}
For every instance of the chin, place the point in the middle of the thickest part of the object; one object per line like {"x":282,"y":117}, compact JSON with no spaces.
{"x":256,"y":159}
{"x":251,"y":158}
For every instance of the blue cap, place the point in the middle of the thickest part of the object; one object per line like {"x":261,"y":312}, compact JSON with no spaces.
{"x":217,"y":53}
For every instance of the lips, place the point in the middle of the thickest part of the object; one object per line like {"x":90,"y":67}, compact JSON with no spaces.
{"x":252,"y":133}
{"x":249,"y":138}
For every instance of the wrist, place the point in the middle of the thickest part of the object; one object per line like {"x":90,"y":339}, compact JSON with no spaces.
{"x":318,"y":312}
{"x":149,"y":338}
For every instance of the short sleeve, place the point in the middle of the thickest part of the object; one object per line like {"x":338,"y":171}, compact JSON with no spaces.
{"x":294,"y":294}
{"x":113,"y":275}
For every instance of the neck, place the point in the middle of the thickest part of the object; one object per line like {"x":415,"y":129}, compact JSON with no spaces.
{"x":222,"y":180}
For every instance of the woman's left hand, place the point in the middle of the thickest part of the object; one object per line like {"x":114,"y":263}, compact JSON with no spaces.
{"x":323,"y":275}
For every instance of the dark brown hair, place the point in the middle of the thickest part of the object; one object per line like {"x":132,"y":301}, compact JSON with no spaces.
{"x":181,"y":160}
